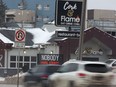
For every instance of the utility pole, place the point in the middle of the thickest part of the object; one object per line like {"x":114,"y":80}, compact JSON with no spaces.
{"x":36,"y":10}
{"x":21,"y":7}
{"x":82,"y":30}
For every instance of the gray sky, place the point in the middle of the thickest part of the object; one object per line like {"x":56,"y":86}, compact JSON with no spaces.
{"x":101,"y":4}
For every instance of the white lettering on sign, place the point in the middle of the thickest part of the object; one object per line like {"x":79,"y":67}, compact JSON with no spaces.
{"x":68,"y":34}
{"x":1,"y":57}
{"x":96,"y":52}
{"x":68,"y":6}
{"x":70,"y":19}
{"x":50,"y":57}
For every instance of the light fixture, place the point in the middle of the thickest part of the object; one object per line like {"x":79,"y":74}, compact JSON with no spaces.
{"x":24,"y":51}
{"x":51,"y":52}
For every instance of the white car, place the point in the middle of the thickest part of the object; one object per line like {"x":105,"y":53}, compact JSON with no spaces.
{"x":82,"y":74}
{"x":112,"y":64}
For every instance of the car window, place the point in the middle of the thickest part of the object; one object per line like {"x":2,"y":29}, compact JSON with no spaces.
{"x":109,"y":61}
{"x":38,"y":69}
{"x":52,"y":69}
{"x":114,"y":64}
{"x":68,"y":67}
{"x":100,"y":68}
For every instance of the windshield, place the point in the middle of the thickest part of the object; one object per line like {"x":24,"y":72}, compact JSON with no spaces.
{"x":42,"y":68}
{"x":68,"y":67}
{"x":39,"y":69}
{"x":109,"y":61}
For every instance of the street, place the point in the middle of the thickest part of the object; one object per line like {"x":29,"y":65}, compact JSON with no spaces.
{"x":10,"y":85}
{"x":15,"y":85}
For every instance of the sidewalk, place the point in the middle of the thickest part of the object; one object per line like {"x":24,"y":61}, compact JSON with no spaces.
{"x":13,"y":79}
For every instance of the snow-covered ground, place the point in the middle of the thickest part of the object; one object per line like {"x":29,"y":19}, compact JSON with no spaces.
{"x":2,"y":78}
{"x":12,"y":79}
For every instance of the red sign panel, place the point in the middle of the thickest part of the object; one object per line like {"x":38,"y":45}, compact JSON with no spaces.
{"x":50,"y":59}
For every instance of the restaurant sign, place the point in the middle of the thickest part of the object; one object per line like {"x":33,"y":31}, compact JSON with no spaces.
{"x":68,"y":12}
{"x":49,"y":59}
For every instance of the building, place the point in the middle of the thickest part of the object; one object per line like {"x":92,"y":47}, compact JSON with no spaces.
{"x":53,"y":50}
{"x":36,"y":48}
{"x":98,"y":46}
{"x":102,"y":19}
{"x":96,"y":17}
{"x":21,"y":18}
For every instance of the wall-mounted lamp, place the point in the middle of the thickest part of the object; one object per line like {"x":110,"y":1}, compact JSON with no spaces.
{"x":51,"y":52}
{"x":24,"y":51}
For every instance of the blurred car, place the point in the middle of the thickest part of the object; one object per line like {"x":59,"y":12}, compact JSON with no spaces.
{"x":112,"y":64}
{"x":82,"y":74}
{"x":39,"y":74}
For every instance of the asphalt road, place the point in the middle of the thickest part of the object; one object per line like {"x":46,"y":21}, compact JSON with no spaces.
{"x":10,"y":85}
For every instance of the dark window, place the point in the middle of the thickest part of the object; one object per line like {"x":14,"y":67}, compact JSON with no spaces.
{"x":33,"y":64}
{"x":38,"y":69}
{"x":109,"y":61}
{"x":114,"y":64}
{"x":27,"y":64}
{"x":26,"y":58}
{"x":113,"y":33}
{"x":99,"y":68}
{"x":12,"y":64}
{"x":108,"y":32}
{"x":13,"y":58}
{"x":33,"y":59}
{"x":52,"y":69}
{"x":21,"y":58}
{"x":69,"y":67}
{"x":42,"y":68}
{"x":20,"y":65}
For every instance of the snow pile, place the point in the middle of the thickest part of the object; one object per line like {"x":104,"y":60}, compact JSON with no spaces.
{"x":2,"y":79}
{"x":20,"y":75}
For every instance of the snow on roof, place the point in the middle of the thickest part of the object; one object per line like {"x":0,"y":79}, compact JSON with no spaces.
{"x":40,"y":36}
{"x":5,"y":39}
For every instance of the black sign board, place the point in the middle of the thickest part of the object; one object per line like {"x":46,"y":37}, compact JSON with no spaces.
{"x":67,"y":34}
{"x":49,"y":59}
{"x":68,"y":12}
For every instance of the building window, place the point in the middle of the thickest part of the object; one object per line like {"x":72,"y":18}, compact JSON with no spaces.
{"x":113,"y":34}
{"x":21,"y":58}
{"x":47,"y":7}
{"x":33,"y":58}
{"x":28,"y":60}
{"x":12,"y":65}
{"x":20,"y":65}
{"x":13,"y":58}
